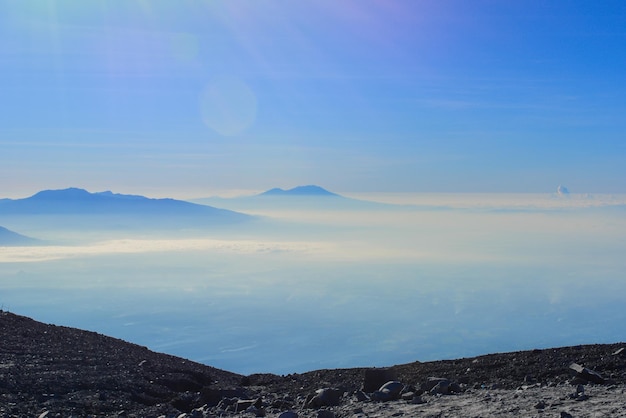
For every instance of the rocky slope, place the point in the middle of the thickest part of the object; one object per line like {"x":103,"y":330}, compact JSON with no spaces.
{"x":53,"y":371}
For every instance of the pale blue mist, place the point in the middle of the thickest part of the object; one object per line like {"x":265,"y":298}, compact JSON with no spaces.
{"x":456,"y":276}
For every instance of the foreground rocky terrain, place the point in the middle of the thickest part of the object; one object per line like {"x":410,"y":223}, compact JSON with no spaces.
{"x":53,"y":371}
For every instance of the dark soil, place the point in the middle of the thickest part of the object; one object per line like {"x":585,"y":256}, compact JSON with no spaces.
{"x":51,"y":368}
{"x":70,"y":372}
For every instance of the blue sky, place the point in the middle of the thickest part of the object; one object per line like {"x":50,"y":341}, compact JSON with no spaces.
{"x":191,"y":98}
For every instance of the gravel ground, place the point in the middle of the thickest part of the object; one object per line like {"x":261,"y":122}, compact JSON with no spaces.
{"x":53,"y":371}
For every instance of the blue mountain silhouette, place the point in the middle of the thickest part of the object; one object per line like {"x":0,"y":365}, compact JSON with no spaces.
{"x":74,"y":201}
{"x":309,"y":197}
{"x":310,"y":190}
{"x":9,"y":238}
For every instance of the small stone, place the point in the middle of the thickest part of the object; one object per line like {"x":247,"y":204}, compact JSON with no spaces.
{"x":441,"y":388}
{"x":380,"y":396}
{"x":196,"y":413}
{"x":407,"y":396}
{"x":243,"y":404}
{"x":288,"y":414}
{"x":361,"y":396}
{"x":455,"y":388}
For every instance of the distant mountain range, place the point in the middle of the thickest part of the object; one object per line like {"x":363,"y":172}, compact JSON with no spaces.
{"x":75,"y":208}
{"x":81,"y":202}
{"x":310,"y":190}
{"x":9,"y":238}
{"x":309,"y":197}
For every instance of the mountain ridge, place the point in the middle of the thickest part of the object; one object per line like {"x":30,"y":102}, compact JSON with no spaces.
{"x":10,"y":238}
{"x":309,"y":197}
{"x":79,"y":201}
{"x":308,"y":190}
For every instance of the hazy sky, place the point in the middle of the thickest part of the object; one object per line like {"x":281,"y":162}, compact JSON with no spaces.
{"x":189,"y":98}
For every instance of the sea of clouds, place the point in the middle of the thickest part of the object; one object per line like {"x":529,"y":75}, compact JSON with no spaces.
{"x":448,"y":275}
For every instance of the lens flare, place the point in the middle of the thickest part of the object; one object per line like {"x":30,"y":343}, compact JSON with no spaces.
{"x":228,"y":105}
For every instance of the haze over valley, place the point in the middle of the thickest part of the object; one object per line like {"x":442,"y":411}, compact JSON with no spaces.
{"x":307,"y":284}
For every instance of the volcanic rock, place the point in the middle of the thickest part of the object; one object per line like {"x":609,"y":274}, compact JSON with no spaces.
{"x":53,"y":371}
{"x":587,"y":374}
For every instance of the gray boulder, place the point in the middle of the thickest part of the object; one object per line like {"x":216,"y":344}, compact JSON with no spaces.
{"x":587,"y":374}
{"x":392,"y":389}
{"x":431,"y":382}
{"x":388,"y":392}
{"x":375,"y":378}
{"x":440,"y":386}
{"x":324,"y":397}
